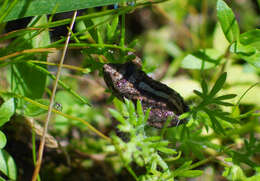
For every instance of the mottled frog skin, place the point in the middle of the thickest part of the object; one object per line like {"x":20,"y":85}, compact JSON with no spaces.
{"x":129,"y":81}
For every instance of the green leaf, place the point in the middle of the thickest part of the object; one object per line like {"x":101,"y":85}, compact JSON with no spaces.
{"x":120,"y":106}
{"x":147,"y":113}
{"x":111,"y":30}
{"x":7,"y":109}
{"x":7,"y":165}
{"x":224,"y":116}
{"x":153,"y":138}
{"x":92,"y":31}
{"x":198,"y":93}
{"x":227,"y":96}
{"x":131,"y":109}
{"x":25,"y":8}
{"x":218,"y":85}
{"x":117,"y":115}
{"x":207,"y":59}
{"x":2,"y":140}
{"x":251,"y":37}
{"x":249,"y":53}
{"x":222,"y":103}
{"x":249,"y":47}
{"x":227,"y":21}
{"x":235,"y":173}
{"x":162,"y":143}
{"x":33,"y":110}
{"x":28,"y":81}
{"x":140,"y":113}
{"x":215,"y":123}
{"x":242,"y":50}
{"x":139,"y":108}
{"x":190,"y":173}
{"x":204,"y":87}
{"x":166,"y":150}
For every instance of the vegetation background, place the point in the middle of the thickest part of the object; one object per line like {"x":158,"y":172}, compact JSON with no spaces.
{"x":208,"y":51}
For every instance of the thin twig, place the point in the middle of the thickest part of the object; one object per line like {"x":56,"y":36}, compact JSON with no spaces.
{"x":27,"y":51}
{"x":41,"y":148}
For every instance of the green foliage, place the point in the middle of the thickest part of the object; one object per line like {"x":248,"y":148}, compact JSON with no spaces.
{"x":2,"y":140}
{"x":235,"y":173}
{"x":206,"y":59}
{"x":33,"y":80}
{"x":146,"y":151}
{"x":248,"y":47}
{"x":46,"y":7}
{"x":228,"y":21}
{"x":176,"y":37}
{"x":245,"y":45}
{"x":7,"y":165}
{"x":33,"y":110}
{"x":209,"y":98}
{"x":7,"y":109}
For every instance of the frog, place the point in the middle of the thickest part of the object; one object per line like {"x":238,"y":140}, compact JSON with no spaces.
{"x":128,"y":80}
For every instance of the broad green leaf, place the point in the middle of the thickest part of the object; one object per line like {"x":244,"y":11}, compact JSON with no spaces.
{"x":33,"y":110}
{"x":218,"y":85}
{"x":2,"y":140}
{"x":227,"y":21}
{"x":251,"y":37}
{"x":25,"y":8}
{"x":249,"y":47}
{"x":242,"y":50}
{"x":249,"y":53}
{"x":207,"y":58}
{"x":7,"y":165}
{"x":7,"y":109}
{"x":43,"y":39}
{"x":27,"y":80}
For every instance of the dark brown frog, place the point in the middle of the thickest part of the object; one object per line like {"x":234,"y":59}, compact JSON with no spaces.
{"x":129,"y":81}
